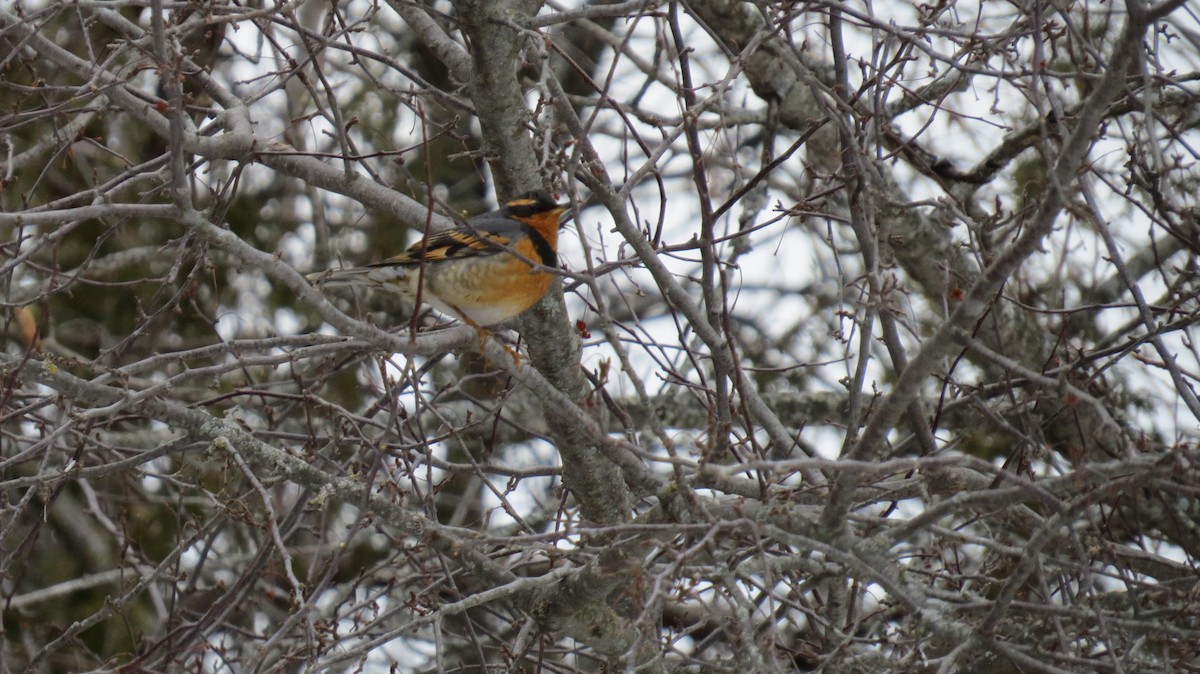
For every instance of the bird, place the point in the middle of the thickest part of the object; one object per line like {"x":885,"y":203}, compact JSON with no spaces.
{"x":487,"y":270}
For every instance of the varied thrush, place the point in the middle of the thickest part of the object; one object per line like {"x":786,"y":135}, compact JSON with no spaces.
{"x":485,"y":271}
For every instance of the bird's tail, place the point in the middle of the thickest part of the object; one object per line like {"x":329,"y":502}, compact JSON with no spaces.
{"x":351,"y":276}
{"x":365,"y":277}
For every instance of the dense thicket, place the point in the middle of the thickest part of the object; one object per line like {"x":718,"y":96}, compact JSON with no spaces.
{"x":874,"y":347}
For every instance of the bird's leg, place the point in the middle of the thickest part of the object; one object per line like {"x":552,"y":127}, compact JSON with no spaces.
{"x":484,"y":333}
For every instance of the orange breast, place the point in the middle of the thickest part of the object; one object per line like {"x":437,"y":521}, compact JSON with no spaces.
{"x":488,"y":290}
